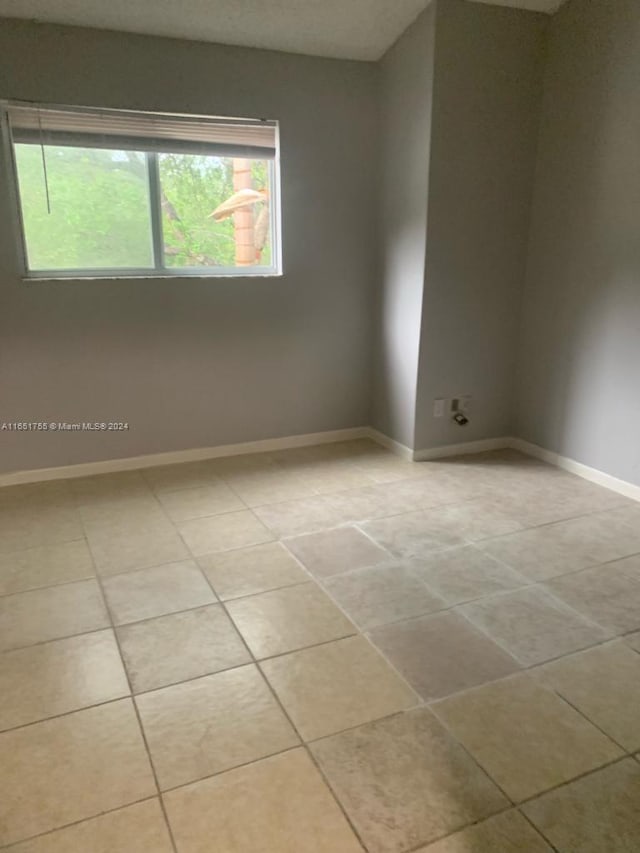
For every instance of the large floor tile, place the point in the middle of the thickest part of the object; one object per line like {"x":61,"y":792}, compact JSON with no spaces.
{"x":292,"y":518}
{"x":464,"y":574}
{"x":70,"y":768}
{"x":286,"y":619}
{"x":332,"y":552}
{"x":566,"y":546}
{"x":385,"y":467}
{"x":216,"y":728}
{"x":630,"y":566}
{"x":329,"y":476}
{"x":425,"y":491}
{"x":48,"y":614}
{"x":327,"y":511}
{"x":474,"y":519}
{"x":347,"y":451}
{"x":54,"y":678}
{"x":156,"y":592}
{"x":228,"y":467}
{"x":139,"y":828}
{"x":200,"y":502}
{"x":109,"y":489}
{"x":633,"y":640}
{"x":607,"y":594}
{"x":212,"y":724}
{"x":592,"y":815}
{"x":124,"y":548}
{"x":248,"y":571}
{"x":122,"y":514}
{"x":498,"y":469}
{"x":414,"y":534}
{"x":508,"y":832}
{"x":404,"y":781}
{"x":180,"y":646}
{"x":184,"y":475}
{"x":627,"y":514}
{"x":45,"y":566}
{"x":47,"y":492}
{"x":367,"y":502}
{"x":533,"y":625}
{"x":382,"y":594}
{"x":603,"y":684}
{"x":558,"y":498}
{"x":223,"y":532}
{"x":442,"y":654}
{"x":335,"y":686}
{"x":528,"y":739}
{"x":270,"y":486}
{"x":35,"y":515}
{"x":278,"y":804}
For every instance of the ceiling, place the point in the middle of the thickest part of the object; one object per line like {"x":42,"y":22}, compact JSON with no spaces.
{"x":346,"y":29}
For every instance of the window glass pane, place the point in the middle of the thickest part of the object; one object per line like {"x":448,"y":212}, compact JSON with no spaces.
{"x":99,"y":202}
{"x":193,"y":188}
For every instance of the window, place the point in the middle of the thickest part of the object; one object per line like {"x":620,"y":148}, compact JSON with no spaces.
{"x":105,"y":192}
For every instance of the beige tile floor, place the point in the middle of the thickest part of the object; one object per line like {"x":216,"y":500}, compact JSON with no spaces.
{"x":321,"y":650}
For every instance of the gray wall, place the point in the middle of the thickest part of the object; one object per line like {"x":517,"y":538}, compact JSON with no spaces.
{"x":580,"y":364}
{"x":487,"y":90}
{"x":191,"y":362}
{"x":405,"y":122}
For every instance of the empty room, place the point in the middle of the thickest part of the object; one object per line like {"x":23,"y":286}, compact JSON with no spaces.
{"x":319,"y":443}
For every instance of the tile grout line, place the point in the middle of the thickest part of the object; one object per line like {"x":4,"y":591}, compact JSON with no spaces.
{"x":134,"y":694}
{"x":91,"y":577}
{"x":483,"y":494}
{"x":364,"y":633}
{"x":592,"y":772}
{"x":434,"y":507}
{"x":593,"y":723}
{"x":519,"y":804}
{"x":134,"y":704}
{"x":393,"y":560}
{"x":512,"y":805}
{"x":73,"y":823}
{"x":538,"y":830}
{"x":154,"y":495}
{"x":302,"y":744}
{"x":360,"y":633}
{"x":421,"y":846}
{"x":35,"y":645}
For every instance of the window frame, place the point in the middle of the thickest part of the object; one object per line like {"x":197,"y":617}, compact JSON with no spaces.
{"x":158,"y":270}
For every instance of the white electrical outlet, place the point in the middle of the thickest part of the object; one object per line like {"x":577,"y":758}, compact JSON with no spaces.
{"x":438,"y":408}
{"x":460,"y":404}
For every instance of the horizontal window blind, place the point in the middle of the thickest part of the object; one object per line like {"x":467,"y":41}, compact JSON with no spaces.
{"x":135,"y":131}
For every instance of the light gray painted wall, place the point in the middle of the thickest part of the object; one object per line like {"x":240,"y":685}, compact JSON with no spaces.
{"x":191,"y":362}
{"x":580,"y":360}
{"x":406,"y":82}
{"x":487,"y":89}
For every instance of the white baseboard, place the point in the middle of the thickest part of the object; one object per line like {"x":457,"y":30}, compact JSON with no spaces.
{"x":107,"y":466}
{"x":480,"y":446}
{"x":442,"y":452}
{"x":629,"y":490}
{"x":400,"y":450}
{"x":622,"y":487}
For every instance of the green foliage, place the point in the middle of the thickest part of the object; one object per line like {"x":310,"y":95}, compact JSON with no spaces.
{"x":99,"y":208}
{"x":100,"y":214}
{"x":192,"y":187}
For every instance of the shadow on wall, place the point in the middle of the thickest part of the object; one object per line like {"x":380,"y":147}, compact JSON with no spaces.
{"x":580,"y":359}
